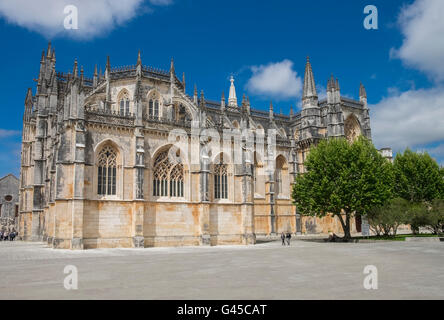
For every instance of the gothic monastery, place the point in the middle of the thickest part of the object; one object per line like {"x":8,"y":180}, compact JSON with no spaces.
{"x":96,"y":169}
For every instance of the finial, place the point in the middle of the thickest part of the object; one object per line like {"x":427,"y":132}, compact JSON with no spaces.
{"x":75,"y":70}
{"x":95,"y":69}
{"x":49,"y":49}
{"x":139,"y":59}
{"x":172,"y":70}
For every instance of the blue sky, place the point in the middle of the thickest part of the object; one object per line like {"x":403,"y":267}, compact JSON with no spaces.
{"x":265,"y":41}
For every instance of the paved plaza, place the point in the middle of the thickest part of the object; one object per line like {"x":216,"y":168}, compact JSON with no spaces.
{"x":306,"y":270}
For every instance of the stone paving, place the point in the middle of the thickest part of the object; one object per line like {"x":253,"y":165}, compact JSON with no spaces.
{"x":306,"y":270}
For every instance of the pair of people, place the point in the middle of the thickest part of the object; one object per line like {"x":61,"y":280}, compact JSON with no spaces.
{"x":285,"y":237}
{"x":6,"y":235}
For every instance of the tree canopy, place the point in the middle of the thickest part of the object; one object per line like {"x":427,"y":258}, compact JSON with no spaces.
{"x":343,"y":179}
{"x":418,"y":177}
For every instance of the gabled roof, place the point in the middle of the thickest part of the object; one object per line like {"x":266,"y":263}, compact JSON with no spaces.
{"x":9,"y":175}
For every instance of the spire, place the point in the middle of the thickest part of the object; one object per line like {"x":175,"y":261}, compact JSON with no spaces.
{"x":95,"y":79}
{"x":363,"y":95}
{"x":232,"y":99}
{"x":291,"y":112}
{"x":195,"y":94}
{"x":48,"y":52}
{"x":81,"y":75}
{"x":183,"y":81}
{"x":271,"y":109}
{"x":222,"y":101}
{"x":107,"y":69}
{"x":337,"y":84}
{"x":362,"y":91}
{"x":75,"y":71}
{"x":139,"y":59}
{"x":172,"y":70}
{"x":309,"y":83}
{"x":53,"y":56}
{"x":42,"y":60}
{"x":202,"y":99}
{"x":244,"y":100}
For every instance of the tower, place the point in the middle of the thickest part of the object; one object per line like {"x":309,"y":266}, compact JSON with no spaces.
{"x":232,"y":99}
{"x":311,"y":112}
{"x":335,"y":119}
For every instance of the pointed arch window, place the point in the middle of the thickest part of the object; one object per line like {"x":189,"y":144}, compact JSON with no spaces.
{"x":124,"y":104}
{"x":220,"y":180}
{"x":168,"y":178}
{"x":153,"y":106}
{"x":107,"y":171}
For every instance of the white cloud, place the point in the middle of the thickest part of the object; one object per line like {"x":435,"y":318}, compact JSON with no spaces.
{"x":95,"y":17}
{"x":422,"y":26}
{"x":8,"y":133}
{"x":410,"y":119}
{"x":277,"y":80}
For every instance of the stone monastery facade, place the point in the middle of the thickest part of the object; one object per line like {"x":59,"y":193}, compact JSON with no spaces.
{"x":97,"y":171}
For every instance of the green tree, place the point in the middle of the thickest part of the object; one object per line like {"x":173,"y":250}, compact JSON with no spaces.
{"x":387,"y":218}
{"x":435,"y":216}
{"x":343,"y":179}
{"x":418,"y":177}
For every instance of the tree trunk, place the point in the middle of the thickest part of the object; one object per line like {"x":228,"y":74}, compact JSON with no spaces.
{"x":347,"y":234}
{"x":345,"y":225}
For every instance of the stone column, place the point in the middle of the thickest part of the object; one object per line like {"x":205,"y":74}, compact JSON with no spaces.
{"x":79,"y":181}
{"x":139,"y":206}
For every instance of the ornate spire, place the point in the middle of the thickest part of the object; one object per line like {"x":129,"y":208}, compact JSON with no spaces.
{"x":95,"y":78}
{"x":75,"y":71}
{"x":108,"y":64}
{"x":232,"y":99}
{"x":362,"y":91}
{"x":291,"y":111}
{"x":81,"y":75}
{"x":48,"y":53}
{"x":271,"y":110}
{"x":172,"y":70}
{"x":222,"y":101}
{"x":309,"y":83}
{"x":139,"y":59}
{"x":183,"y":81}
{"x":202,"y":99}
{"x":195,"y":94}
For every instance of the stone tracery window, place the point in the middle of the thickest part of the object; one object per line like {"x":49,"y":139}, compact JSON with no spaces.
{"x":153,"y":106}
{"x":107,"y":171}
{"x":220,"y":173}
{"x":168,"y":178}
{"x":124,"y":103}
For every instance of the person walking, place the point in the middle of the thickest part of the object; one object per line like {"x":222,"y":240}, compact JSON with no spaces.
{"x":288,"y":238}
{"x":283,"y":238}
